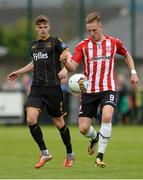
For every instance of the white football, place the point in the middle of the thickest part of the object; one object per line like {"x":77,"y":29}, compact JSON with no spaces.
{"x":73,"y":82}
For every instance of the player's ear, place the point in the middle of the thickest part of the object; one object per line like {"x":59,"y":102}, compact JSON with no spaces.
{"x":101,"y":26}
{"x":49,"y":28}
{"x":36,"y":28}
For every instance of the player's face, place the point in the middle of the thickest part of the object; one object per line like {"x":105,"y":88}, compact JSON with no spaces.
{"x":43,"y":30}
{"x":95,"y":30}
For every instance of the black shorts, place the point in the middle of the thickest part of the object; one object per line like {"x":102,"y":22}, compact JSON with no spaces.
{"x":90,"y":102}
{"x":49,"y":96}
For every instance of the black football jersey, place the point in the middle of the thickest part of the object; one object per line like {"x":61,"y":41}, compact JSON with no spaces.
{"x":46,"y":59}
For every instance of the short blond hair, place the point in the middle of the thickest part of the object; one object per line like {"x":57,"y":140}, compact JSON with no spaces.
{"x":92,"y":17}
{"x":41,"y":19}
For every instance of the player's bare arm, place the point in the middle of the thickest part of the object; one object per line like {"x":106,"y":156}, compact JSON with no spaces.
{"x":130,"y":62}
{"x":70,"y":65}
{"x":15,"y":74}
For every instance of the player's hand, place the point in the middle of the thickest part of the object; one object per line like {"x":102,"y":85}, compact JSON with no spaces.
{"x":63,"y":58}
{"x":63,"y":74}
{"x":134,"y":79}
{"x":13,"y":76}
{"x":81,"y":84}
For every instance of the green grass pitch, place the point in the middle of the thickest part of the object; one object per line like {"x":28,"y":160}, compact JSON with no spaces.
{"x":19,"y":153}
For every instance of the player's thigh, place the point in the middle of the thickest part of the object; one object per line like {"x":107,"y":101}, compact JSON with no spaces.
{"x":34,"y":99}
{"x":109,"y":98}
{"x":88,"y":109}
{"x":54,"y":102}
{"x":107,"y":113}
{"x":108,"y":104}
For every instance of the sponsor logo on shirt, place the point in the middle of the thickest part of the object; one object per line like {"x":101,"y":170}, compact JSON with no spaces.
{"x":40,"y":55}
{"x":99,"y":58}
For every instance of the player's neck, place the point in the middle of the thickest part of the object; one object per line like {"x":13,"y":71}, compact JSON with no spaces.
{"x":101,"y":38}
{"x":43,"y":37}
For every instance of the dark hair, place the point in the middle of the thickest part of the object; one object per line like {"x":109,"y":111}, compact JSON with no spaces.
{"x":41,"y":18}
{"x":93,"y":16}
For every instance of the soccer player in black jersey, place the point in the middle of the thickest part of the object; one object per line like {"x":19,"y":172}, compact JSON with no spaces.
{"x":46,"y":90}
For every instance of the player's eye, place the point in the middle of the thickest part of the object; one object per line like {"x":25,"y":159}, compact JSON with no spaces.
{"x":93,"y":30}
{"x":45,"y":27}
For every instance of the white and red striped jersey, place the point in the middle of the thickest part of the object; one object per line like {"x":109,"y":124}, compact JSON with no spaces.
{"x":98,"y":62}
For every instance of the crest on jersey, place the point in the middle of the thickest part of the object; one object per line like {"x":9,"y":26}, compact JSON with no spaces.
{"x":48,"y":44}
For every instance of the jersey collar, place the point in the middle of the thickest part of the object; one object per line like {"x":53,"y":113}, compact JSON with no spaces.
{"x":91,"y":39}
{"x":39,"y":38}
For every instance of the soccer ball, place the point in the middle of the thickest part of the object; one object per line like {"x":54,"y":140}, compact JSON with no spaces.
{"x":74,"y":81}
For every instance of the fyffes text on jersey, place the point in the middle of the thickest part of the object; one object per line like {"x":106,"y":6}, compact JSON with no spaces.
{"x":40,"y":55}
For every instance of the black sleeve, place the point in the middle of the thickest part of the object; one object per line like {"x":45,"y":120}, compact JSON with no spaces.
{"x":60,"y":45}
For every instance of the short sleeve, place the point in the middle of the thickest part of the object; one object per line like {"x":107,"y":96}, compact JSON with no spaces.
{"x":120,"y":48}
{"x":60,"y":45}
{"x":78,"y":54}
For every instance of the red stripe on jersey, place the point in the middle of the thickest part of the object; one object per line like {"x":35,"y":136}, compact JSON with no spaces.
{"x":94,"y":68}
{"x":86,"y":61}
{"x":109,"y":77}
{"x":101,"y":76}
{"x":102,"y":67}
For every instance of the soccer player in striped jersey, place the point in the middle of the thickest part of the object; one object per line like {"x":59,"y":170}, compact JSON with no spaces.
{"x":97,"y":53}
